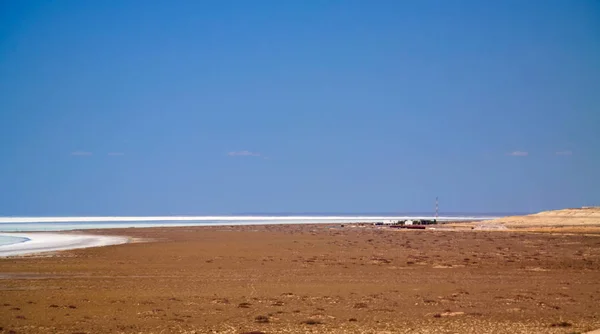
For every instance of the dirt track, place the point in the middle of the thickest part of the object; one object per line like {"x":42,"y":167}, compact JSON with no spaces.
{"x":302,"y":278}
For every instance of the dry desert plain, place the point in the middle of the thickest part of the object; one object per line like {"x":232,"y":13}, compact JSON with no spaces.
{"x":311,"y":279}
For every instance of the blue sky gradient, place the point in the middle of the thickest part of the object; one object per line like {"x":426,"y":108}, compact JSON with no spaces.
{"x":218,"y":107}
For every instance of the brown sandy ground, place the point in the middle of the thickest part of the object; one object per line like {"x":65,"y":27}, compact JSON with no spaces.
{"x":309,"y":279}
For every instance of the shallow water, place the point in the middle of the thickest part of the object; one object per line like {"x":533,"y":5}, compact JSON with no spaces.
{"x":6,"y":240}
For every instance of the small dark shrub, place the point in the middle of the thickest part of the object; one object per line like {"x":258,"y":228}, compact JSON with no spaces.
{"x":360,"y":305}
{"x":561,"y":324}
{"x":261,"y":319}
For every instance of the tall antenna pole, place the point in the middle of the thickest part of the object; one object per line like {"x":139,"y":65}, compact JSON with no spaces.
{"x":436,"y":208}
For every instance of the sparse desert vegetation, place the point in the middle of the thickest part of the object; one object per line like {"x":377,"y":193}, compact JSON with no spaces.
{"x":298,"y":278}
{"x":261,"y":319}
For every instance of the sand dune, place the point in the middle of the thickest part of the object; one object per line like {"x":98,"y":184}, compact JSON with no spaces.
{"x":565,"y":217}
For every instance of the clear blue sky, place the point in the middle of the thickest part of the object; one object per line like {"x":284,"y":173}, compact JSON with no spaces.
{"x":217,"y":107}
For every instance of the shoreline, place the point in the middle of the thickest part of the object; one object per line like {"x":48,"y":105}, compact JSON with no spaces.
{"x":37,"y":242}
{"x":52,"y":224}
{"x":45,"y":241}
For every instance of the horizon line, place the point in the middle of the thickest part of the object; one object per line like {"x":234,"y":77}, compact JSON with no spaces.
{"x":283,"y":214}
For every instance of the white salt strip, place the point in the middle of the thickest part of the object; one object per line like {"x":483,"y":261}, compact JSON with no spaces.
{"x":50,"y":242}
